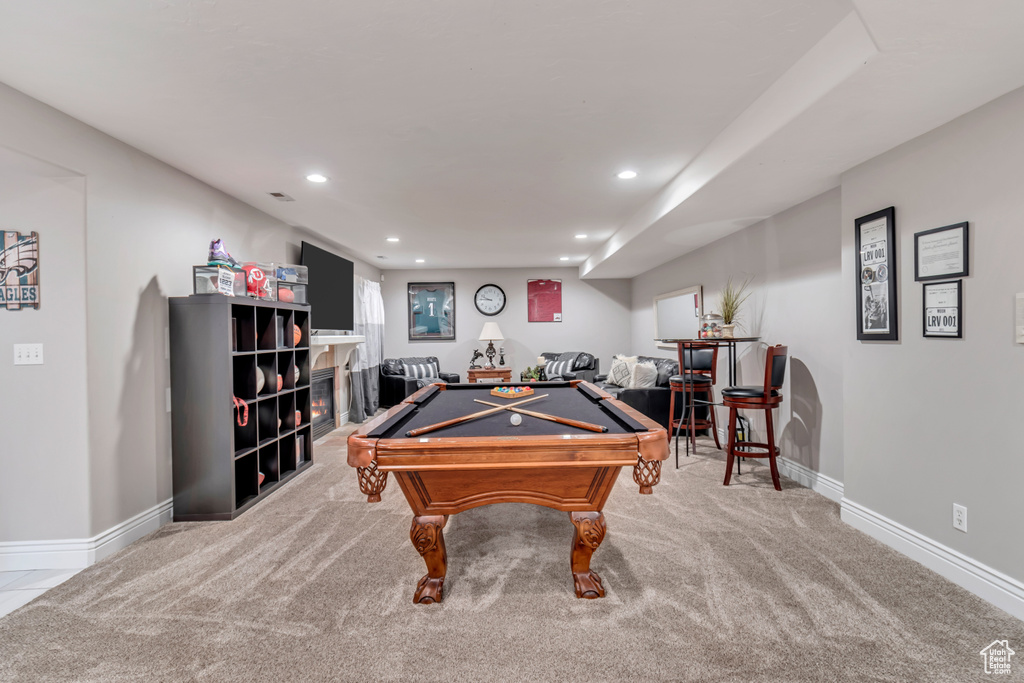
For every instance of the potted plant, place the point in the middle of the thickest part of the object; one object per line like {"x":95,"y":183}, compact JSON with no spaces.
{"x":732,"y":298}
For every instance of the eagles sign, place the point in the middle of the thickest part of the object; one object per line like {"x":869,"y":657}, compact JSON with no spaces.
{"x":19,"y":271}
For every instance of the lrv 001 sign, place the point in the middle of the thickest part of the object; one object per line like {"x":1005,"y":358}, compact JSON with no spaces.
{"x":19,"y":271}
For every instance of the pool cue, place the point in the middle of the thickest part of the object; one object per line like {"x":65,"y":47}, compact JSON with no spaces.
{"x":545,"y":416}
{"x":466,"y":418}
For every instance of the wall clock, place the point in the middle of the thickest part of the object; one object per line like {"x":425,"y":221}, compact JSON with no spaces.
{"x":490,"y":299}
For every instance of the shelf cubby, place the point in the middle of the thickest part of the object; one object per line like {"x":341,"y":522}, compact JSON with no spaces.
{"x":269,"y":465}
{"x":243,"y":377}
{"x":219,"y":344}
{"x":286,"y":454}
{"x":302,"y":363}
{"x":243,"y":328}
{"x":301,"y":318}
{"x":266,"y":363}
{"x":266,"y":412}
{"x":246,"y":479}
{"x":303,"y":446}
{"x":302,"y":407}
{"x":286,"y":366}
{"x":266,"y":329}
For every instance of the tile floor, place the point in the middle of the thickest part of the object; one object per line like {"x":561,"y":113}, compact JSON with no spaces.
{"x":19,"y":588}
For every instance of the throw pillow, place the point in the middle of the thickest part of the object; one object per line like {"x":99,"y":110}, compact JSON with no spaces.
{"x":420,"y":370}
{"x":555,"y":368}
{"x":622,"y":368}
{"x":644,"y":376}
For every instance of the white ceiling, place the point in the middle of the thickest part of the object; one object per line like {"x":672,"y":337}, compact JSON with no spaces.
{"x":487,"y":134}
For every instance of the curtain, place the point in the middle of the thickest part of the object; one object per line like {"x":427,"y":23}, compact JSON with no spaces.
{"x":365,"y":363}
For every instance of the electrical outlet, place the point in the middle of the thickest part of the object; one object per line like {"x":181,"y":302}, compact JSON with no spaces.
{"x":28,"y":354}
{"x":960,"y":517}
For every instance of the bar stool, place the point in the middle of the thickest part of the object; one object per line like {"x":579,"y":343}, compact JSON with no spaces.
{"x":757,"y":398}
{"x":700,"y":373}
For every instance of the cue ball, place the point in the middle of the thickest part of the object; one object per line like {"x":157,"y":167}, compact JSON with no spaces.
{"x":516,"y":419}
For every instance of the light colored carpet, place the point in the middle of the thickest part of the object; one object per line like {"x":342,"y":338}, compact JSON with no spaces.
{"x":705,"y":583}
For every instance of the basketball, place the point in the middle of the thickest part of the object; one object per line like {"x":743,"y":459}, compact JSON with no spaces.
{"x":298,"y":417}
{"x":280,"y":382}
{"x":286,"y":295}
{"x":297,"y":332}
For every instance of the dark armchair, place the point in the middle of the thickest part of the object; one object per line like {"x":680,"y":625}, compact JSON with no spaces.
{"x":395,"y":384}
{"x":578,"y":364}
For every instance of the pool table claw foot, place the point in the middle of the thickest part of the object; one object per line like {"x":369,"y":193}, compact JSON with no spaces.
{"x":372,"y":481}
{"x":428,"y":539}
{"x":590,"y":531}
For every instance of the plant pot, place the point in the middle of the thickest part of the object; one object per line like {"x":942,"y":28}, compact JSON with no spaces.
{"x":728,"y":330}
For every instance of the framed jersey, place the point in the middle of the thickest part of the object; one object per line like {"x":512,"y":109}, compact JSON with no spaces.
{"x":432,"y":311}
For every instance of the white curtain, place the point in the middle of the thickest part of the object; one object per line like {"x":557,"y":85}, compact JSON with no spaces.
{"x":365,"y":364}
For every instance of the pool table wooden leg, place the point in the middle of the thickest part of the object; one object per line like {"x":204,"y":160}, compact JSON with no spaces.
{"x":590,"y":530}
{"x":428,"y":539}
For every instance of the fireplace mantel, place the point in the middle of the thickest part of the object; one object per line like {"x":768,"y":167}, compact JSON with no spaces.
{"x":340,"y":347}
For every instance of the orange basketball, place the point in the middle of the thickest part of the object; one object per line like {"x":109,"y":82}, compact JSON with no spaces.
{"x":297,"y":332}
{"x":298,"y":417}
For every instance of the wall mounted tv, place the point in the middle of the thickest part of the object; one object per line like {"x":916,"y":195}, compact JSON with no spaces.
{"x":330,"y":288}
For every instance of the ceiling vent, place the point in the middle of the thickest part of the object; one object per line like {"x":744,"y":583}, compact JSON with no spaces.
{"x":281,"y":197}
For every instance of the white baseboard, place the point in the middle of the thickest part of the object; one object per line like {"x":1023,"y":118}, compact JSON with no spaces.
{"x":816,"y":481}
{"x":79,"y":553}
{"x":805,"y":476}
{"x":1001,"y":590}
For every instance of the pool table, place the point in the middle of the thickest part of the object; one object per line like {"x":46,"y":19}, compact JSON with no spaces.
{"x":492,"y":460}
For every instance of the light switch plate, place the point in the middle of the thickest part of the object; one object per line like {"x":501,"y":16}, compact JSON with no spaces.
{"x":28,"y":354}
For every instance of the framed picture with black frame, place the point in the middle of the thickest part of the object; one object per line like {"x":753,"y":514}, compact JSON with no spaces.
{"x":431,"y":311}
{"x":942,"y":308}
{"x":941,"y":253}
{"x":877,"y":310}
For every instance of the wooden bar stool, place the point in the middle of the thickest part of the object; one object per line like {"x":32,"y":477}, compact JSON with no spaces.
{"x":757,"y":398}
{"x":699,"y":363}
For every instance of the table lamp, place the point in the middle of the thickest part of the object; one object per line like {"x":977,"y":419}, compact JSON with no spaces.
{"x":490,"y":334}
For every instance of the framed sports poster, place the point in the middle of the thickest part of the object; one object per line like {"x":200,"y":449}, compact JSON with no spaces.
{"x":875,"y":242}
{"x":941,"y":253}
{"x":943,"y":308}
{"x":19,"y":271}
{"x":544,"y":301}
{"x":431,"y":311}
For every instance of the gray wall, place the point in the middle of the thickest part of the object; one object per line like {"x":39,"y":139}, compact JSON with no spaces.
{"x":595,"y":317}
{"x":930,"y":422}
{"x":146,"y":224}
{"x":794,"y":260}
{"x":44,"y":408}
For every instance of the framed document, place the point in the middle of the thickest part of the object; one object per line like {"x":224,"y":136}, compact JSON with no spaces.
{"x":432,"y":311}
{"x":875,"y":241}
{"x":943,"y":306}
{"x":544,"y":301}
{"x":941,"y":253}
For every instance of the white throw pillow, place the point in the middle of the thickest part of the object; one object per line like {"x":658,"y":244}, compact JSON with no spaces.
{"x":644,"y":376}
{"x":621,"y":370}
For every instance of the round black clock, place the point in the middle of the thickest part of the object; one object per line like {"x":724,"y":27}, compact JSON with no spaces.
{"x":490,"y":299}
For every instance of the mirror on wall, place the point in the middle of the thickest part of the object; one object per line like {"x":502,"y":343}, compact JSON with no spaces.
{"x":677,"y":314}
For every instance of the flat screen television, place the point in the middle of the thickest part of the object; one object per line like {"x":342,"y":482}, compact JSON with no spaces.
{"x":330,"y":289}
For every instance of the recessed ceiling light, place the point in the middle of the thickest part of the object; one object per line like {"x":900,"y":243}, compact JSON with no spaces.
{"x":564,"y":258}
{"x":581,"y":237}
{"x":627,"y":175}
{"x":419,"y":260}
{"x":316,"y":178}
{"x":392,"y":239}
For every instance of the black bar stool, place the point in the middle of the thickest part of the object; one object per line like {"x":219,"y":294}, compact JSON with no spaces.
{"x":699,"y":375}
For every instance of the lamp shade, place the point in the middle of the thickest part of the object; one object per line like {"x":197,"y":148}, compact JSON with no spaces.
{"x":491,"y":333}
